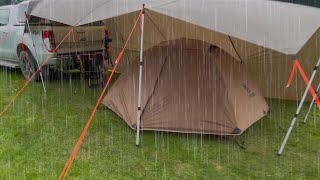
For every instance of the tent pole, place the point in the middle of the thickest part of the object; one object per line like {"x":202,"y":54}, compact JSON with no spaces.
{"x":311,"y":104}
{"x":35,"y":50}
{"x":299,"y":109}
{"x":140,"y":78}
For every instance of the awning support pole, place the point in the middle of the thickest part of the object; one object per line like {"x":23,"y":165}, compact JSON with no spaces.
{"x":311,"y":104}
{"x":35,"y":50}
{"x":140,"y":77}
{"x":299,"y":108}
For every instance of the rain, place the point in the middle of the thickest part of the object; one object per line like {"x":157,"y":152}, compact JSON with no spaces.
{"x":159,"y":89}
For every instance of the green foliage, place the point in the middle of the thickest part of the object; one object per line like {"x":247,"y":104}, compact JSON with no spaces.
{"x":5,"y":2}
{"x":314,"y":3}
{"x":8,"y":2}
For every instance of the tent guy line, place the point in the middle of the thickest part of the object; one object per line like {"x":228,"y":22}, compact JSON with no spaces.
{"x":235,"y":49}
{"x":251,"y":22}
{"x":33,"y":75}
{"x":263,"y":31}
{"x":295,"y":117}
{"x":165,"y":4}
{"x":106,"y":2}
{"x":157,"y":27}
{"x":74,"y":152}
{"x":46,"y":61}
{"x":296,"y":65}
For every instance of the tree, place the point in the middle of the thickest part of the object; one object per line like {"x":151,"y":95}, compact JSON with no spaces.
{"x":314,"y":3}
{"x":5,"y":2}
{"x":8,"y":2}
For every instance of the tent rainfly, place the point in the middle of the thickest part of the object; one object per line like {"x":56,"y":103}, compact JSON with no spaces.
{"x":265,"y":35}
{"x":190,"y":87}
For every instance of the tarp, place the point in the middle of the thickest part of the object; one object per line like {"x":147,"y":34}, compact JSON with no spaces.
{"x":270,"y":69}
{"x":188,"y":87}
{"x":263,"y":34}
{"x":283,"y":27}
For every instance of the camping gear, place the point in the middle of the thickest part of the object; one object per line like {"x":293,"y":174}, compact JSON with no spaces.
{"x":188,"y":88}
{"x":295,"y":117}
{"x":265,"y":35}
{"x":92,"y":68}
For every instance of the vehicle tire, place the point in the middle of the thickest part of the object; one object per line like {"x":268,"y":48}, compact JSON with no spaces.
{"x":29,"y":66}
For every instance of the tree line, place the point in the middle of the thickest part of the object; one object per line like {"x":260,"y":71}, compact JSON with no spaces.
{"x":8,"y":2}
{"x":314,"y":3}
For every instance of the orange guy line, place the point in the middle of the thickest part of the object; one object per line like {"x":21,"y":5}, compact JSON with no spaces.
{"x":296,"y":65}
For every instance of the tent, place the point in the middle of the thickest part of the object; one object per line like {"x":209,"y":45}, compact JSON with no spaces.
{"x":265,"y":35}
{"x":190,"y":87}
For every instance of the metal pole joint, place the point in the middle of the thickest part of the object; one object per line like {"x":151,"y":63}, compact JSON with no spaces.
{"x":143,"y":9}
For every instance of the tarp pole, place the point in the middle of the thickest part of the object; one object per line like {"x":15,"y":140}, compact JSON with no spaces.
{"x":35,"y":50}
{"x":140,"y":78}
{"x":299,"y":109}
{"x":311,"y":104}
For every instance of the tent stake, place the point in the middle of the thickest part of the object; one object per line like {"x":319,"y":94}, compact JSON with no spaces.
{"x":140,"y":78}
{"x":299,"y":109}
{"x":311,"y":104}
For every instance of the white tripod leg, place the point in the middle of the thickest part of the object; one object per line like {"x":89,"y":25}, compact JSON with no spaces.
{"x":311,"y":104}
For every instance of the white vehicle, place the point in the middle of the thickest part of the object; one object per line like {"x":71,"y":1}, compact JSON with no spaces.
{"x":28,"y":44}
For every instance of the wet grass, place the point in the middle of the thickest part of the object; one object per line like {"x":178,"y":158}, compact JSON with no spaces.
{"x":39,"y":131}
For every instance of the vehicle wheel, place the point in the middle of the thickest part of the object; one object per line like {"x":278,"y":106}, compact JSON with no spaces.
{"x":28,"y":65}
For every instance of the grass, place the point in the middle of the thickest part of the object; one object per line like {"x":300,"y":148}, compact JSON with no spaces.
{"x":39,"y":131}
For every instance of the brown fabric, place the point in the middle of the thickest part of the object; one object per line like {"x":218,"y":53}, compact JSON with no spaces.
{"x":263,"y":40}
{"x":268,"y":68}
{"x":284,"y":27}
{"x":187,"y":88}
{"x":158,"y":28}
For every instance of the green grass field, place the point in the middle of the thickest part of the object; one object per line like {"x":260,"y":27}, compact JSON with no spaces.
{"x":38,"y":132}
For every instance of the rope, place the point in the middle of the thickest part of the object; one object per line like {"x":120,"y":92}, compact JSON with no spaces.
{"x":32,"y":76}
{"x":76,"y":148}
{"x":165,"y":4}
{"x":103,"y":3}
{"x":156,"y":26}
{"x":235,"y":49}
{"x":296,"y":65}
{"x":45,"y":62}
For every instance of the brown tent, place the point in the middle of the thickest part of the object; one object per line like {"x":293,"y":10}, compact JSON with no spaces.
{"x":188,"y":86}
{"x":265,"y":35}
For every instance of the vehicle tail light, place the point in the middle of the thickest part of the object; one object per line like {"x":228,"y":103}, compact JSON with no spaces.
{"x":49,"y":41}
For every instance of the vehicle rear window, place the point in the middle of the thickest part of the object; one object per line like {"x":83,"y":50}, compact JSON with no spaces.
{"x":22,"y":13}
{"x":4,"y":16}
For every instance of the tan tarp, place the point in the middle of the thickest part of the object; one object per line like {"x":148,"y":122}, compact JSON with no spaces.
{"x":284,"y":27}
{"x":261,"y":33}
{"x":188,"y":88}
{"x":268,"y":68}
